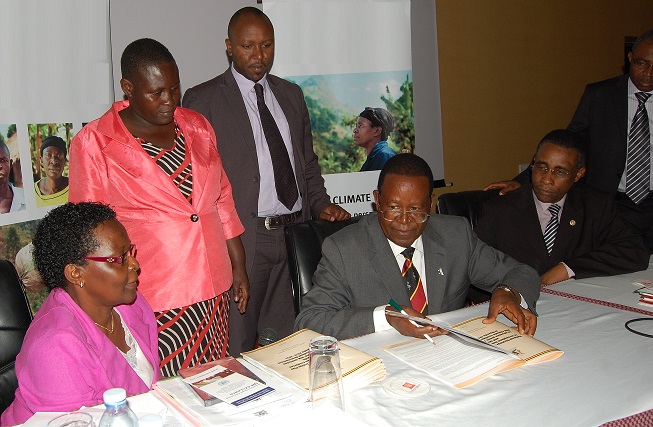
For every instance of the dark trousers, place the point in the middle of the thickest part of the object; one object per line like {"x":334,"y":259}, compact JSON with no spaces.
{"x":270,"y":301}
{"x":638,"y":217}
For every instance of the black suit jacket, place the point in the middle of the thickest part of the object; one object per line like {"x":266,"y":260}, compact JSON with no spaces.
{"x":591,"y":239}
{"x":221,"y":102}
{"x":602,"y":118}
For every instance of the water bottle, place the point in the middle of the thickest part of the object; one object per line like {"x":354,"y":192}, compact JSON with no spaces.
{"x":117,"y":413}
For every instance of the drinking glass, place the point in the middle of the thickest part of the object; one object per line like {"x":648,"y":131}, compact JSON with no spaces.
{"x":325,"y":375}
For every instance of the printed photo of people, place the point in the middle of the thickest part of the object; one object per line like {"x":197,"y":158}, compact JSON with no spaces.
{"x":12,"y":197}
{"x":49,"y":145}
{"x":340,"y":138}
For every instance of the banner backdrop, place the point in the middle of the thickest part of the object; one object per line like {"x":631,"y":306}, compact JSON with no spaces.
{"x":56,"y":75}
{"x":347,"y":55}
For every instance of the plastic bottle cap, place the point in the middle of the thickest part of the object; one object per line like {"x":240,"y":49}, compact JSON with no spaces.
{"x":114,"y":396}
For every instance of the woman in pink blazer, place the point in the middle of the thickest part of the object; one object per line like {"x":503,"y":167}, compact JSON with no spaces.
{"x":94,"y":331}
{"x":158,"y":166}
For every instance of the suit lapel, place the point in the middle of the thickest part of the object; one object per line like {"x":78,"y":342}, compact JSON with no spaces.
{"x":385,"y":263}
{"x":620,"y":102}
{"x":289,"y":110}
{"x":127,"y":154}
{"x":531,"y":223}
{"x":434,"y":266}
{"x":570,"y":225}
{"x":239,"y":115}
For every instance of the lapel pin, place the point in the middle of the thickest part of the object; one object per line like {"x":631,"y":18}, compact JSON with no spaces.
{"x":440,"y":272}
{"x":572,"y":222}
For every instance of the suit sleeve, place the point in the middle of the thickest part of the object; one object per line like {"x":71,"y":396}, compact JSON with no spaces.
{"x":580,"y":122}
{"x":327,"y":308}
{"x":317,"y":195}
{"x":489,"y":268}
{"x":194,"y":101}
{"x":616,"y":249}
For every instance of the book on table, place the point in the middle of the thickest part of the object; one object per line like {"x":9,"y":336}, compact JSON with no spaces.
{"x":472,"y":351}
{"x":288,"y":359}
{"x":224,"y":380}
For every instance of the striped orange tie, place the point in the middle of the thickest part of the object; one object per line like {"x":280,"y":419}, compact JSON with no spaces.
{"x":414,"y":284}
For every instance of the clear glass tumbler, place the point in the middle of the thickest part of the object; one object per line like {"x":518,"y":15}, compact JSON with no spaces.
{"x":325,"y":375}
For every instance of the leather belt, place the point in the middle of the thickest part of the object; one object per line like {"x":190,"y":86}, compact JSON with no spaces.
{"x":279,"y":221}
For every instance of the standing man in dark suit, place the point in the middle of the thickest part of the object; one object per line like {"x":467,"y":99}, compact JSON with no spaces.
{"x":426,"y":263}
{"x":559,"y":227}
{"x":273,"y":185}
{"x":605,"y":117}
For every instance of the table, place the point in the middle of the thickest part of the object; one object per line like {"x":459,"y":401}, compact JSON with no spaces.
{"x":605,"y":374}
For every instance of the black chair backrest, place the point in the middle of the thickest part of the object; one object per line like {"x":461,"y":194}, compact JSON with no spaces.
{"x":465,"y":203}
{"x":15,"y":317}
{"x":304,"y":245}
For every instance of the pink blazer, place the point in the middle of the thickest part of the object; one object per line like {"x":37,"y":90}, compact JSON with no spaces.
{"x":67,"y":362}
{"x":181,"y":247}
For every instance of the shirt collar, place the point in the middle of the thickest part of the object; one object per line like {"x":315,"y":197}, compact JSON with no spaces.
{"x":397,"y":250}
{"x":246,"y":85}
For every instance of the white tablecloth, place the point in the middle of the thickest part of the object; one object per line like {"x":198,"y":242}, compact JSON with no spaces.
{"x":605,"y":374}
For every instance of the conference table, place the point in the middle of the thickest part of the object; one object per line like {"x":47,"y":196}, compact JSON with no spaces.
{"x":605,"y":372}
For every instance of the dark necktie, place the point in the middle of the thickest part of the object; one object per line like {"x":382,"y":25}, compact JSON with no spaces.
{"x":638,"y":161}
{"x":551,"y":228}
{"x":284,"y":178}
{"x":414,"y":284}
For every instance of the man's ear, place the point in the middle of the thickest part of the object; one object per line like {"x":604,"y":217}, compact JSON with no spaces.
{"x":127,"y":87}
{"x":579,"y":174}
{"x":227,"y":43}
{"x":376,"y":198}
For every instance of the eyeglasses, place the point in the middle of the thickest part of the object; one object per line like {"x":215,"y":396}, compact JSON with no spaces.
{"x":642,"y":65}
{"x":396,"y":214}
{"x":559,"y":172}
{"x":122,"y":259}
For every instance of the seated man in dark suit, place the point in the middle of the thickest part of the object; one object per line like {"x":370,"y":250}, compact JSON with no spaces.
{"x":361,"y":266}
{"x":581,"y":237}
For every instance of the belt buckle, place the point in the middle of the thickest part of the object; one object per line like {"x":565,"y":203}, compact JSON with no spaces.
{"x":269,"y":225}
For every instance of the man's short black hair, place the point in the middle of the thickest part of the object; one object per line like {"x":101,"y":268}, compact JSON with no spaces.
{"x":406,"y":164}
{"x":566,"y":139}
{"x":246,"y":11}
{"x":141,"y":53}
{"x":65,"y":236}
{"x":646,"y":36}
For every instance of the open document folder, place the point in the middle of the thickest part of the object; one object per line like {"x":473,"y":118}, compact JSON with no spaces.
{"x":471,"y":351}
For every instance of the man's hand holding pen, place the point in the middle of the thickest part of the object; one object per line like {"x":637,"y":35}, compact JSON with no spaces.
{"x":411,"y":329}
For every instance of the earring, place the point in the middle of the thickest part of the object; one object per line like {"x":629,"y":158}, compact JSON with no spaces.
{"x":81,"y":284}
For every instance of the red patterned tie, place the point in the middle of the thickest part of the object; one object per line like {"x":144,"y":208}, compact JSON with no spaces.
{"x":414,"y":284}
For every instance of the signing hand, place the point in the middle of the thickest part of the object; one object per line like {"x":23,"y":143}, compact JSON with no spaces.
{"x":406,"y":327}
{"x":508,"y":304}
{"x":333,"y":212}
{"x":504,"y":186}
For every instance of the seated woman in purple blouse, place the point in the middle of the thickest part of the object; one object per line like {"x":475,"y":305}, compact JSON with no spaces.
{"x":94,"y":331}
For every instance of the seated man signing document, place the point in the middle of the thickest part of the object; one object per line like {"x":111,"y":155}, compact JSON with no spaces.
{"x":361,"y":266}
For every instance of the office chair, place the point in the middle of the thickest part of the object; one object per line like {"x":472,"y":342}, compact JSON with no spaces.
{"x":15,"y":317}
{"x":304,"y":245}
{"x":470,"y":205}
{"x":465,"y":203}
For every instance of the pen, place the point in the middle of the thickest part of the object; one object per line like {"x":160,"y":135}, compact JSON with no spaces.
{"x":397,"y":307}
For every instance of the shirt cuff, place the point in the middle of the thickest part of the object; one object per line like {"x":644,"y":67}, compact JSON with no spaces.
{"x":380,"y":322}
